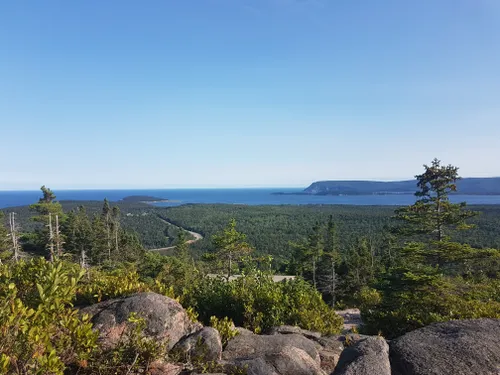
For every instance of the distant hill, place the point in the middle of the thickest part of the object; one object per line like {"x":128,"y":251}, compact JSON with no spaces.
{"x":466,"y":186}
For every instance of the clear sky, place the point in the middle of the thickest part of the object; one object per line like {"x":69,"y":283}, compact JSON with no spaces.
{"x":223,"y":93}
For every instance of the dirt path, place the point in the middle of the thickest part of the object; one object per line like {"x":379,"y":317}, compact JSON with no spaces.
{"x":197,"y":237}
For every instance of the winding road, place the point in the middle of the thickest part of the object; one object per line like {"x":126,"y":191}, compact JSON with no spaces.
{"x":197,"y":236}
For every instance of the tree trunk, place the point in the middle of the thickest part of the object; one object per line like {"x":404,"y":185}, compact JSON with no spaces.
{"x":51,"y":239}
{"x":58,"y":238}
{"x":334,"y":284}
{"x":13,"y":234}
{"x":314,"y":271}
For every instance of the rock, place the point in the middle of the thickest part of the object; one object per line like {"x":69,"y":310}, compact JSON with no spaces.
{"x":288,"y":360}
{"x":244,"y":346}
{"x":165,"y":318}
{"x":454,"y":347}
{"x":369,"y":356}
{"x":204,"y":345}
{"x":243,"y":331}
{"x":284,"y":330}
{"x":164,"y":368}
{"x":330,"y":351}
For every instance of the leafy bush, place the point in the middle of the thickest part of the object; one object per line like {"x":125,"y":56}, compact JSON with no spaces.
{"x":41,"y":332}
{"x":133,"y":354}
{"x":395,"y":312}
{"x":255,"y":302}
{"x":225,"y":327}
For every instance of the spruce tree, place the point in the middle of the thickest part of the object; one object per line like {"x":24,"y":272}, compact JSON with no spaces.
{"x":231,"y":247}
{"x":433,"y":215}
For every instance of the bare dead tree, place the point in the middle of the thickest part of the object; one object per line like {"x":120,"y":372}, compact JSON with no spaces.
{"x":58,"y":240}
{"x":51,"y":239}
{"x":14,"y":230}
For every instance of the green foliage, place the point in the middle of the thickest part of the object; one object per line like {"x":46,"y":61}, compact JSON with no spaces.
{"x":100,"y":286}
{"x":41,"y":332}
{"x":255,"y":302}
{"x":5,"y":245}
{"x":49,"y":216}
{"x":436,"y":280}
{"x":133,"y":354}
{"x":225,"y":327}
{"x":433,"y":214}
{"x":230,"y":248}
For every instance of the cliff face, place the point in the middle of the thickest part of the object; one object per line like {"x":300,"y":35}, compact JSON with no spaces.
{"x":466,"y":186}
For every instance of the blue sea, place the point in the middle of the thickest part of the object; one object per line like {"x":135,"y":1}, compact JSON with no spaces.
{"x":230,"y":196}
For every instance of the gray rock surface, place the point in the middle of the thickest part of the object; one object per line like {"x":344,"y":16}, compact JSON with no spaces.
{"x":331,"y":347}
{"x":369,"y":356}
{"x":204,"y":345}
{"x":457,"y":347}
{"x":287,"y":361}
{"x":165,"y":318}
{"x":284,"y":330}
{"x":252,"y":345}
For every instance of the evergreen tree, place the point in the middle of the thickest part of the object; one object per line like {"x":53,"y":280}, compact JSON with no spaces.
{"x":331,"y":258}
{"x":433,"y":280}
{"x":79,"y":236}
{"x":230,"y":247}
{"x":181,"y":247}
{"x":50,"y":216}
{"x":433,"y":214}
{"x":306,"y":254}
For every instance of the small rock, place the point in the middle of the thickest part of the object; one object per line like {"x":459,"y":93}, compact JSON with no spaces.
{"x":204,"y":345}
{"x":164,"y":368}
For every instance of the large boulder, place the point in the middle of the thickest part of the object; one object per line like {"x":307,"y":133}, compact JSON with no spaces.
{"x":454,"y":347}
{"x":204,"y":345}
{"x":252,"y":345}
{"x":288,"y":360}
{"x":165,"y":318}
{"x":369,"y":356}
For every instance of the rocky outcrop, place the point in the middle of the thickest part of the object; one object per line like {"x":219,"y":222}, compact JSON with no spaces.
{"x":366,"y":357}
{"x":165,"y":318}
{"x":164,"y":368}
{"x":252,"y":345}
{"x":330,"y":349}
{"x":461,"y":347}
{"x":286,"y":330}
{"x":455,"y":347}
{"x":202,"y":346}
{"x":288,"y":360}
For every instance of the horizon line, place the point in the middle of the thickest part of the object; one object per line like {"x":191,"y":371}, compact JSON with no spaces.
{"x":28,"y":189}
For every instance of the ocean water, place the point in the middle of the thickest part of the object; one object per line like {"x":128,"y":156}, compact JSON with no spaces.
{"x":230,"y":196}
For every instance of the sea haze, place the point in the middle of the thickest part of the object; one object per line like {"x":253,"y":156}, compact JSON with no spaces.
{"x":230,"y":196}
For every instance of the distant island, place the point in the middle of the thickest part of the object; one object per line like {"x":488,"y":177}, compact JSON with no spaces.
{"x":465,"y":186}
{"x":142,"y":199}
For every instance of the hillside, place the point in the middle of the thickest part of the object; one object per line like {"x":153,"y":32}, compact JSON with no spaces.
{"x":466,"y":186}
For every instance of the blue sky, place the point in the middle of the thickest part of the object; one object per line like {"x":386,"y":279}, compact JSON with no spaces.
{"x":227,"y":93}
